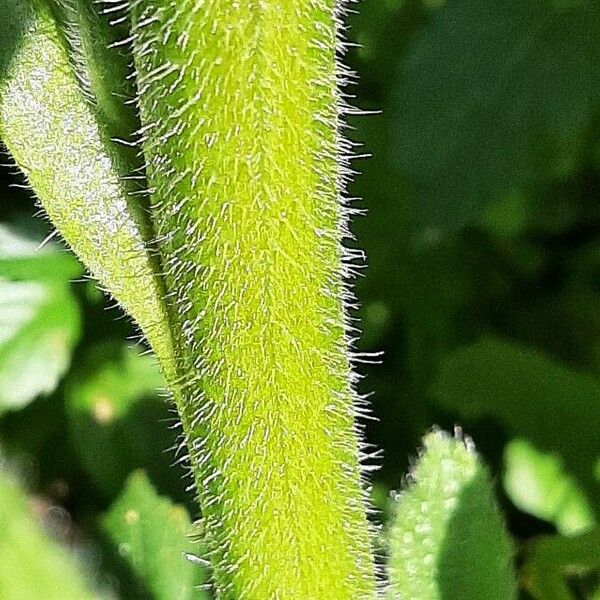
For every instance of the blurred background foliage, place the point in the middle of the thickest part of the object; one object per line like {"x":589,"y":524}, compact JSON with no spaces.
{"x":482,"y":289}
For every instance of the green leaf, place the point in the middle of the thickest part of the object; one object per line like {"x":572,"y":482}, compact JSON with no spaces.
{"x":39,"y":318}
{"x":492,"y":97}
{"x":32,"y":565}
{"x":448,"y":539}
{"x":60,"y":135}
{"x":118,"y":422}
{"x":537,"y":483}
{"x":549,"y":560}
{"x":532,"y":397}
{"x":152,"y":536}
{"x":102,"y":60}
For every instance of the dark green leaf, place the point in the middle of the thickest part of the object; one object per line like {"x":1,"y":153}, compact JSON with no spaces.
{"x":118,"y":421}
{"x":152,"y":536}
{"x":549,"y":560}
{"x":533,"y":397}
{"x":493,"y":96}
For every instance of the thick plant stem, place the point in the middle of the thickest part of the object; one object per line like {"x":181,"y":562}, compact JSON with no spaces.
{"x":240,"y":116}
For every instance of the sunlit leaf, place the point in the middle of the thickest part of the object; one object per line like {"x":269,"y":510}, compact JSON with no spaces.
{"x":39,"y":318}
{"x":32,"y":565}
{"x":448,"y":539}
{"x":538,"y":484}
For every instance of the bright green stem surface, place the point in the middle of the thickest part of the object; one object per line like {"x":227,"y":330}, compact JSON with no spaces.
{"x":239,"y":108}
{"x":56,"y":134}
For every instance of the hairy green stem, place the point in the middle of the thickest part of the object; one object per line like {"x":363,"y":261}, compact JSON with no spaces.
{"x":240,"y":115}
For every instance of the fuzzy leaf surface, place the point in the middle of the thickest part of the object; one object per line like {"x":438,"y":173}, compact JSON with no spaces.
{"x":61,"y":138}
{"x":239,"y":104}
{"x":448,"y":538}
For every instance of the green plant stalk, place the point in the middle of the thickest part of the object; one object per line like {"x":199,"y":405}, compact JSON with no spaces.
{"x":56,"y":133}
{"x":240,"y":114}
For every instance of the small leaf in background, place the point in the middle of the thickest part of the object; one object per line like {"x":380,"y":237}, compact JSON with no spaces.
{"x":32,"y":565}
{"x":153,"y":536}
{"x":549,"y":561}
{"x":448,"y":539}
{"x":118,"y":421}
{"x":532,"y":397}
{"x":39,"y":318}
{"x":538,"y":484}
{"x":493,"y":96}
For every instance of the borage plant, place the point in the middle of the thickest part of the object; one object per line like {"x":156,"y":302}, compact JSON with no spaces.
{"x":191,"y":154}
